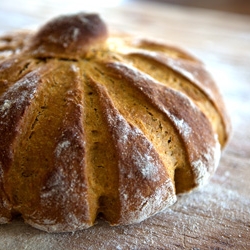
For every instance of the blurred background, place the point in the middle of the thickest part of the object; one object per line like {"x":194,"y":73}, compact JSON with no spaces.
{"x":15,"y":14}
{"x":234,"y":6}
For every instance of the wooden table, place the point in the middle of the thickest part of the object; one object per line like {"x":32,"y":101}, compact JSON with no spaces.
{"x":215,"y":217}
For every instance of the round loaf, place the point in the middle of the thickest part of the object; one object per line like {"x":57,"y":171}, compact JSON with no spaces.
{"x":94,"y":126}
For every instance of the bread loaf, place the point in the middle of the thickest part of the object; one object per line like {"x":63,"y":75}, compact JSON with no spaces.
{"x":94,"y":126}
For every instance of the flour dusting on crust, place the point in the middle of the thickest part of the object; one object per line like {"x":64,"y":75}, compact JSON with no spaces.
{"x":62,"y":146}
{"x":144,"y":185}
{"x":17,"y":97}
{"x":205,"y":167}
{"x":181,"y":124}
{"x":188,"y":120}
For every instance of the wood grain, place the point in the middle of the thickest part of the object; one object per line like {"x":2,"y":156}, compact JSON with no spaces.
{"x":215,"y":217}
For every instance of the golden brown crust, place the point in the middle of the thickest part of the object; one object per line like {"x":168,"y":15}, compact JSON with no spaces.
{"x":144,"y":185}
{"x":198,"y":78}
{"x":181,"y":112}
{"x":68,"y":37}
{"x":92,"y":127}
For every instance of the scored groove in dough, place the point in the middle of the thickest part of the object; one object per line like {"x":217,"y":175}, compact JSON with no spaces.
{"x":162,"y":71}
{"x":137,"y":110}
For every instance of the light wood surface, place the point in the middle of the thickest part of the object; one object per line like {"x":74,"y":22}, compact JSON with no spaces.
{"x":218,"y":215}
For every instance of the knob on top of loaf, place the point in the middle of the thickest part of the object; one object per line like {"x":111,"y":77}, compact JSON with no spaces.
{"x":94,"y":126}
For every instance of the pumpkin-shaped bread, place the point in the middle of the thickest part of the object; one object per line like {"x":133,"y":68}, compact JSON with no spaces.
{"x":95,"y":125}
